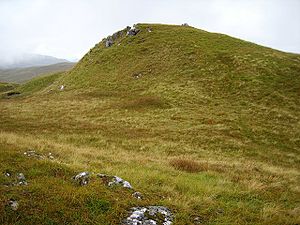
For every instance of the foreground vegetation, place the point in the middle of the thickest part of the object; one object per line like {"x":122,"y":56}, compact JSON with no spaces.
{"x":210,"y":129}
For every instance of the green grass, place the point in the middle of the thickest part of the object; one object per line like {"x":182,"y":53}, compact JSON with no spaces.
{"x":210,"y":129}
{"x":4,"y":87}
{"x":22,"y":75}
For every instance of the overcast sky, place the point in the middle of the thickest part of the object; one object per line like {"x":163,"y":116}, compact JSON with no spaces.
{"x":69,"y":28}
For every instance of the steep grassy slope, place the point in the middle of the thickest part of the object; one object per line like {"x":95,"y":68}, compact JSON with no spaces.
{"x":181,"y":59}
{"x":203,"y":123}
{"x":7,"y":87}
{"x":21,"y":75}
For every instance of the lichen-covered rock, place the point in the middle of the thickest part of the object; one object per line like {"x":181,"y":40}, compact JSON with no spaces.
{"x":153,"y":215}
{"x":109,"y":42}
{"x":114,"y":181}
{"x":137,"y":195}
{"x":13,"y":204}
{"x":82,"y":178}
{"x":134,"y":31}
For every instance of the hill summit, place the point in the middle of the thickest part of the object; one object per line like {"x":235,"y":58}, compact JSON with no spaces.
{"x":182,"y":63}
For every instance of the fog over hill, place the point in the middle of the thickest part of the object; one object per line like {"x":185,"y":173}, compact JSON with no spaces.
{"x":27,"y":60}
{"x":21,"y":75}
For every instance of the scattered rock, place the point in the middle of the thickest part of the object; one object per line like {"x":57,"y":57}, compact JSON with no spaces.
{"x":7,"y":173}
{"x":15,"y":180}
{"x":62,"y":87}
{"x":109,"y":42}
{"x":50,"y":156}
{"x":21,"y":180}
{"x":137,"y":75}
{"x":82,"y":178}
{"x":149,"y":29}
{"x":137,"y":195}
{"x":13,"y":204}
{"x":197,"y":220}
{"x":114,"y":181}
{"x":134,"y":31}
{"x":185,"y":25}
{"x":150,"y":215}
{"x":33,"y":153}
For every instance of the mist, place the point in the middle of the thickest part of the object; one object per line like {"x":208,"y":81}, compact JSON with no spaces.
{"x":69,"y":28}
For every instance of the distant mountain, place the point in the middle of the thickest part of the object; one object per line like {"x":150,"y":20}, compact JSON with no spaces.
{"x":29,"y":60}
{"x":20,"y":75}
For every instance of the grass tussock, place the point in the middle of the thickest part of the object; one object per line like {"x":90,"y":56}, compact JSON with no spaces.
{"x":188,"y":165}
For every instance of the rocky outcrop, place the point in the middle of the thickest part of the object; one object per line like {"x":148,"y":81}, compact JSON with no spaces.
{"x":134,"y":31}
{"x":82,"y":178}
{"x":114,"y":181}
{"x":150,"y":215}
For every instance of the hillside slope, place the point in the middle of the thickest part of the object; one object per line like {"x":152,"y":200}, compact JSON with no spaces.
{"x":202,"y":123}
{"x":28,"y":60}
{"x":21,"y":75}
{"x":176,"y":59}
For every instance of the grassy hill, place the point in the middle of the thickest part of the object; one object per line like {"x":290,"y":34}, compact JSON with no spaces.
{"x":21,"y":75}
{"x":202,"y":123}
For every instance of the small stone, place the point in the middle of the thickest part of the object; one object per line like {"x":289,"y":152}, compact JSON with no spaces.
{"x":114,"y":181}
{"x":50,"y":156}
{"x":82,"y":178}
{"x":137,"y":75}
{"x":62,"y":87}
{"x":14,"y":205}
{"x":197,"y":220}
{"x":137,"y":195}
{"x":149,"y":29}
{"x":21,"y":180}
{"x":33,"y":153}
{"x":7,"y":173}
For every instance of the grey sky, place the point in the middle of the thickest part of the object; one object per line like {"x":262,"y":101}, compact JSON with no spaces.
{"x":69,"y":28}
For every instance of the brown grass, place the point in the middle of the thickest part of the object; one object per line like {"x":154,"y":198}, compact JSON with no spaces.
{"x":189,"y":165}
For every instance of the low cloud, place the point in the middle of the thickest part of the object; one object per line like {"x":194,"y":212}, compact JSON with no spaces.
{"x":69,"y":28}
